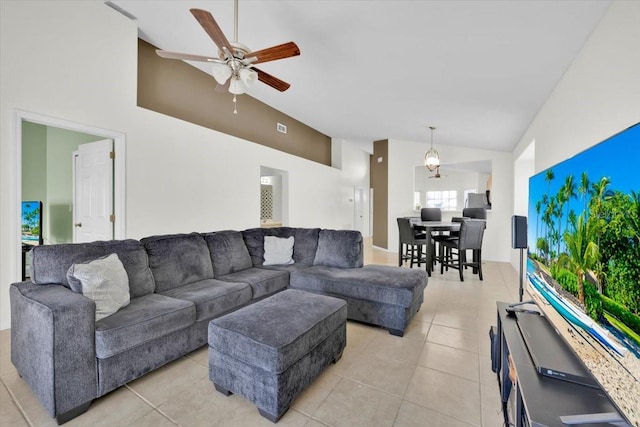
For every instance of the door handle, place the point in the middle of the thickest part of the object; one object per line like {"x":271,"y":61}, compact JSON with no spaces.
{"x":79,"y":224}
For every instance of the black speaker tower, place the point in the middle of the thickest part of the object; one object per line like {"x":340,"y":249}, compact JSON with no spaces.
{"x":519,"y":241}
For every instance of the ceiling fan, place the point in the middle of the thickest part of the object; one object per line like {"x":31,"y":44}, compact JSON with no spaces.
{"x":437,"y":175}
{"x":234,"y":68}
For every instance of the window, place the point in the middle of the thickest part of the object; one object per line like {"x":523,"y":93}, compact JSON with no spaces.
{"x":445,"y":200}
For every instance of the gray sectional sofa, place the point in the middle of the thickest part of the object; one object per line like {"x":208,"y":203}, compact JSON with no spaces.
{"x":177,"y":285}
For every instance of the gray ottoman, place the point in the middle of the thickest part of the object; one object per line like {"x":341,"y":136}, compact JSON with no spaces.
{"x":270,"y":351}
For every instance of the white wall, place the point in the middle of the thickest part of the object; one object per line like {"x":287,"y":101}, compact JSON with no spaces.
{"x":404,"y":156}
{"x":352,"y":157}
{"x":523,"y":169}
{"x":179,"y":177}
{"x":598,"y":96}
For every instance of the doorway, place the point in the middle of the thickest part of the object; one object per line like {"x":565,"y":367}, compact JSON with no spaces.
{"x":33,"y":180}
{"x":359,"y":200}
{"x":274,"y":197}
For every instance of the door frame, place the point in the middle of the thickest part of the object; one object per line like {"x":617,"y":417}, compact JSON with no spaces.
{"x":119,"y":170}
{"x":359,"y":200}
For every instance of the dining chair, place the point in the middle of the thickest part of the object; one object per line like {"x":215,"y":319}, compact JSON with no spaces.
{"x":453,"y":234}
{"x":470,"y":238}
{"x":409,"y":245}
{"x":431,"y":214}
{"x":477,"y":213}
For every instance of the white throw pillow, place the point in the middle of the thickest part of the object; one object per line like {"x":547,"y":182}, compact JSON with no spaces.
{"x":105,"y":281}
{"x":278,"y":250}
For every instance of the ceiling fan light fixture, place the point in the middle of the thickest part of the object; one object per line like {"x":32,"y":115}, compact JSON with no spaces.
{"x":432,"y":157}
{"x":248,"y":77}
{"x":236,"y":86}
{"x":221,"y":72}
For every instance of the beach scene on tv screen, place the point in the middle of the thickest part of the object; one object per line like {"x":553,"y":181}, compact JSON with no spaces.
{"x":31,"y":223}
{"x":583,"y":264}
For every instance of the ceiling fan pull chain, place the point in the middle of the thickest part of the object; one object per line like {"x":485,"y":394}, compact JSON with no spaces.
{"x":235,"y":105}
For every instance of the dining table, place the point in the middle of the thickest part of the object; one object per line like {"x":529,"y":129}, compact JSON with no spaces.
{"x":434,"y":226}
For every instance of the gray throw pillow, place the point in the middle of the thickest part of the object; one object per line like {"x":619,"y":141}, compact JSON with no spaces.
{"x":103,"y":280}
{"x":339,"y":248}
{"x":278,"y":250}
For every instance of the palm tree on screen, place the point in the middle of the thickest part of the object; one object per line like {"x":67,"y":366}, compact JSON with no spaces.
{"x":582,"y":252}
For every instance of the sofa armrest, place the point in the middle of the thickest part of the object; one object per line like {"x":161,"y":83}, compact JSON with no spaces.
{"x":53,"y":344}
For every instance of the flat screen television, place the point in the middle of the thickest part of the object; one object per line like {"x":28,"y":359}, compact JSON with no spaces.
{"x":31,"y":223}
{"x":583,"y":265}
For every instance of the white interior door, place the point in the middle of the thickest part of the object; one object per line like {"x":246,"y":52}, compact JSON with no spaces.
{"x":358,"y":208}
{"x":93,"y":192}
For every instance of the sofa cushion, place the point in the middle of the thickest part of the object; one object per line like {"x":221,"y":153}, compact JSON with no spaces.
{"x":50,"y":263}
{"x":178,"y":259}
{"x":263,"y":282}
{"x":213,"y":297}
{"x":384,"y":284}
{"x":339,"y":248}
{"x":104,"y":281}
{"x":306,"y":244}
{"x":304,"y":247}
{"x":228,"y":252}
{"x":146,"y":318}
{"x":278,"y":250}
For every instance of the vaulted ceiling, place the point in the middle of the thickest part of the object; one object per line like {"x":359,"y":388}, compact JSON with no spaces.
{"x":478,"y":71}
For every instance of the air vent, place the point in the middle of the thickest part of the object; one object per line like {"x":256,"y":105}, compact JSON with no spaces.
{"x":281,"y":128}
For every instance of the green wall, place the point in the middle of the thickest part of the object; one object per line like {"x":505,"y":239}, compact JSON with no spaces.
{"x":34,"y":165}
{"x":47,"y":175}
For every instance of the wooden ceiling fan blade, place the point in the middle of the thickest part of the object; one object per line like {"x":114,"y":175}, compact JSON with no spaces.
{"x":212,"y":28}
{"x":285,"y":50}
{"x":184,"y":56}
{"x":272,"y":81}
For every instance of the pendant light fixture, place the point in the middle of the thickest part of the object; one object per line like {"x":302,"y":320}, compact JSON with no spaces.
{"x":431,"y":157}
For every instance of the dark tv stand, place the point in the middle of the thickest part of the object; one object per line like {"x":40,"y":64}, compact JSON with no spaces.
{"x":25,"y":250}
{"x":542,"y":401}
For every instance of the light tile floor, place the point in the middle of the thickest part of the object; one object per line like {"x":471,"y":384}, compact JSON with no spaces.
{"x":438,"y":374}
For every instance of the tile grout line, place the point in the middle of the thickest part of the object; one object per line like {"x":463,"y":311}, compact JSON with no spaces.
{"x":311,"y":416}
{"x":15,"y":401}
{"x":447,"y":373}
{"x":415,"y":367}
{"x":153,"y":407}
{"x":445,"y":414}
{"x":196,"y":360}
